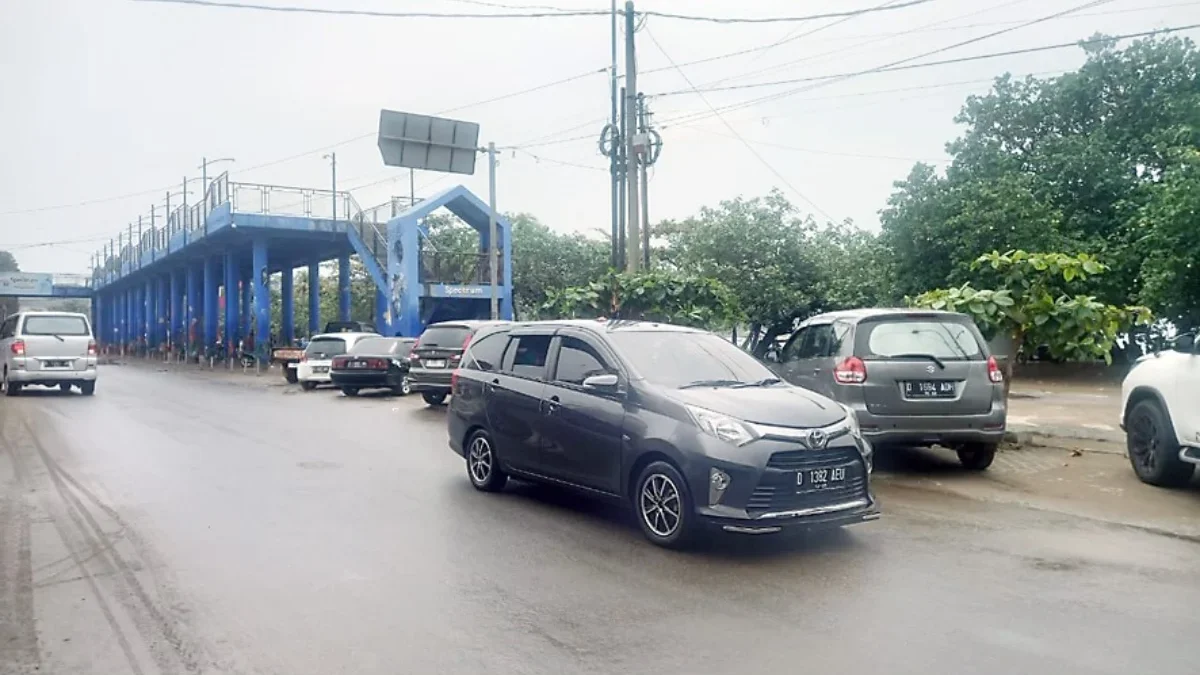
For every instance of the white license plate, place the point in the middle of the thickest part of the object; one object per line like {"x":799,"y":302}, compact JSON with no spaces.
{"x":320,"y":369}
{"x":56,"y":364}
{"x":819,"y":479}
{"x":435,"y":363}
{"x":358,"y":364}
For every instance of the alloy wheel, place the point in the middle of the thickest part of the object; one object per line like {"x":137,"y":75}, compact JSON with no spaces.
{"x":479,"y":460}
{"x":405,"y":386}
{"x":660,"y":505}
{"x":1143,"y":436}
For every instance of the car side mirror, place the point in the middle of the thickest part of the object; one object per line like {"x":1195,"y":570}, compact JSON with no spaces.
{"x":1185,"y":343}
{"x":606,"y":382}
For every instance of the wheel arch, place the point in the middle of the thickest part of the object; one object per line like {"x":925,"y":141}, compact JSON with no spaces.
{"x":652,"y":451}
{"x":1144,"y":393}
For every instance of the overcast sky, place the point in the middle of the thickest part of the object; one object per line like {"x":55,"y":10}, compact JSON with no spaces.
{"x":113,"y":102}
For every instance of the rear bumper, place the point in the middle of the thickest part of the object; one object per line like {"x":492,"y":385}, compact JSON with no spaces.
{"x":343,"y":378}
{"x":933,"y":429}
{"x":51,"y":376}
{"x":430,"y":380}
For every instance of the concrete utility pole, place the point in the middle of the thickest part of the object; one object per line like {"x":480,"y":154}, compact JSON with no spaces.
{"x":493,"y":248}
{"x":614,"y":168}
{"x":644,"y":164}
{"x":633,"y":257}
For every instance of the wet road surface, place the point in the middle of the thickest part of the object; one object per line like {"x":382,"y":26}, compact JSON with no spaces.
{"x":180,"y":524}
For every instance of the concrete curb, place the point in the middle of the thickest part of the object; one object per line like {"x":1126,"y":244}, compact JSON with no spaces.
{"x":1056,"y":437}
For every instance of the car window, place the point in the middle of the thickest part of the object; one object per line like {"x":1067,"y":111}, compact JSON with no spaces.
{"x":818,"y":343}
{"x":379,"y":346}
{"x":943,"y":339}
{"x":8,"y":327}
{"x":528,"y":355}
{"x":577,"y":360}
{"x":486,"y":353}
{"x":678,"y":358}
{"x":791,"y":351}
{"x":326,"y":346}
{"x":445,"y":337}
{"x":56,"y":325}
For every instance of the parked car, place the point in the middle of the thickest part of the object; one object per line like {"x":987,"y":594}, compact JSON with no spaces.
{"x":374,"y":363}
{"x":313,"y":369}
{"x":437,"y":353}
{"x":1161,"y":416}
{"x":51,"y":349}
{"x":683,"y":426}
{"x":914,"y":378}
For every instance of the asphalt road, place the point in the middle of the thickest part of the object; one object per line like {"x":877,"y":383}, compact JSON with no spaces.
{"x":180,"y":524}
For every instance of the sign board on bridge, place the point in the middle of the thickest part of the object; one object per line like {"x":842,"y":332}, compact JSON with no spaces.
{"x":28,"y":284}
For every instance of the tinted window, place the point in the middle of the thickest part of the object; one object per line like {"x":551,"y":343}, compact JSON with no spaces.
{"x":672,"y":359}
{"x":327,"y":347}
{"x":486,"y":353}
{"x":445,"y":337}
{"x":577,"y":360}
{"x":380,"y":346}
{"x":529,"y":355}
{"x":55,"y":325}
{"x":943,"y":339}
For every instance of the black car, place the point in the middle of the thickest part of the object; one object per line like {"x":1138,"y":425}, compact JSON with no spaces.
{"x":374,"y":363}
{"x":437,"y":353}
{"x":681,"y":424}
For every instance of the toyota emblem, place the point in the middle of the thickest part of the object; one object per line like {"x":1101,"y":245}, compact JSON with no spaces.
{"x":817,"y":439}
{"x":929,"y":369}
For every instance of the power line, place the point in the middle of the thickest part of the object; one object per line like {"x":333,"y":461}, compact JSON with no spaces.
{"x":734,"y":131}
{"x":557,"y":13}
{"x":963,"y":59}
{"x":793,"y":35}
{"x":551,"y":160}
{"x":811,"y":151}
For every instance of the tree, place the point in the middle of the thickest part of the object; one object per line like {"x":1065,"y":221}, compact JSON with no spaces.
{"x":9,"y":306}
{"x":1033,"y":306}
{"x":651,"y":295}
{"x":1171,"y":244}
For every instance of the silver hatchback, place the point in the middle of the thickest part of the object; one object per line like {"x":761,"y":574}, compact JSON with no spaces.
{"x":914,"y":378}
{"x":52,"y":349}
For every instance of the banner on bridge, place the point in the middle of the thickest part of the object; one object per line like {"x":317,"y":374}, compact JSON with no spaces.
{"x":27,"y":284}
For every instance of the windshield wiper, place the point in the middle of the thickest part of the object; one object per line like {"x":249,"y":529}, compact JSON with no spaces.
{"x":712,"y":383}
{"x":765,"y":382}
{"x":929,"y":357}
{"x":59,"y":337}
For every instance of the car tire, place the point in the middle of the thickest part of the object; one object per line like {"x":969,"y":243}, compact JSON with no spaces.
{"x":434,"y":399}
{"x":308,"y":386}
{"x":350,"y":391}
{"x":977,"y":456}
{"x":88,"y":388}
{"x":1153,"y":448}
{"x":483,"y":469}
{"x":660,"y":486}
{"x":10,"y":389}
{"x":289,"y":374}
{"x":404,"y":388}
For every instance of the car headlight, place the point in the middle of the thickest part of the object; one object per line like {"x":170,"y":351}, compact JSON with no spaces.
{"x":728,"y":429}
{"x":852,"y":422}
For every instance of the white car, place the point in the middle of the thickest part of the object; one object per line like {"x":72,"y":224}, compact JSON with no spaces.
{"x":1160,"y":400}
{"x":313,"y":369}
{"x":51,"y":349}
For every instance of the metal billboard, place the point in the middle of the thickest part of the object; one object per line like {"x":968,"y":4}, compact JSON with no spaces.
{"x":428,"y":143}
{"x":26,"y":284}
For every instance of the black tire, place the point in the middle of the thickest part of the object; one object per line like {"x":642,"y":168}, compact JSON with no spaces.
{"x":434,"y":399}
{"x":289,"y":374}
{"x":658,"y":487}
{"x":977,"y":456}
{"x":483,"y":469}
{"x":1153,"y":448}
{"x":88,"y":388}
{"x":308,"y":386}
{"x":402,"y":389}
{"x":350,"y":391}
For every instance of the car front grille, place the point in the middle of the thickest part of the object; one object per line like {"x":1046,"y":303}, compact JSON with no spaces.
{"x":778,"y":491}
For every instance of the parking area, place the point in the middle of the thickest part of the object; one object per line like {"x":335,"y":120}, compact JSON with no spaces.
{"x":192,"y":522}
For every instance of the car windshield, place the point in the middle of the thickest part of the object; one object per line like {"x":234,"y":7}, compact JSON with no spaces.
{"x":445,"y":337}
{"x":948,"y":340}
{"x":326,"y":346}
{"x":680,"y":359}
{"x":382,"y":346}
{"x":56,"y":325}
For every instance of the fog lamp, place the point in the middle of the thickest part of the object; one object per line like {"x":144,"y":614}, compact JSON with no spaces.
{"x":718,"y":482}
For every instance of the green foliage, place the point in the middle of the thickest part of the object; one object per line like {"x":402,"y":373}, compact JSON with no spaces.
{"x":1170,"y":245}
{"x":655,"y":295}
{"x":362,"y":297}
{"x":9,"y":306}
{"x":544,"y":260}
{"x":1033,"y":304}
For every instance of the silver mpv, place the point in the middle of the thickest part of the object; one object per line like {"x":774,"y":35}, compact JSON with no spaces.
{"x":914,"y":378}
{"x":51,"y":349}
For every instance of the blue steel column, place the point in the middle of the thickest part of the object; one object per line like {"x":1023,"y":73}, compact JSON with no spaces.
{"x":262,"y":296}
{"x":287,"y":310}
{"x":148,"y":313}
{"x":344,"y":287}
{"x":174,"y":313}
{"x":210,"y":301}
{"x":163,"y":327}
{"x":314,"y":298}
{"x":191,"y":306}
{"x":381,"y":313}
{"x":245,"y":304}
{"x":231,"y":303}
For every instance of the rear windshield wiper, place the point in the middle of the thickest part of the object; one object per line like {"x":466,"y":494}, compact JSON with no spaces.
{"x":765,"y":382}
{"x":929,"y":357}
{"x":713,"y":383}
{"x":59,"y":337}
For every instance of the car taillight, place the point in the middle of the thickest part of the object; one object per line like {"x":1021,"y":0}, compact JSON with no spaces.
{"x":378,"y":363}
{"x":850,"y":371}
{"x":339,"y":362}
{"x":17,"y":347}
{"x":303,"y":357}
{"x":994,"y":372}
{"x":454,"y":380}
{"x":91,"y":348}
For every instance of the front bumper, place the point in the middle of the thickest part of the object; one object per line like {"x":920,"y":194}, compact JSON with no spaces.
{"x":933,"y":429}
{"x":430,"y":380}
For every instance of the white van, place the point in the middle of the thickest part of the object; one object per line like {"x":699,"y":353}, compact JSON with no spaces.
{"x":51,"y":349}
{"x":313,"y":369}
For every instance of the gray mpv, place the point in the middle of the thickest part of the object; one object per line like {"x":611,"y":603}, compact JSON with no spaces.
{"x":914,"y":378}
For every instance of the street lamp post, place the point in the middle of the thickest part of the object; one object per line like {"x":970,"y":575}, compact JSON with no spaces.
{"x":332,"y":157}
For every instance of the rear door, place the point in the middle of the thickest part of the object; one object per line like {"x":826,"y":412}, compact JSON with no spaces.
{"x":808,"y":358}
{"x":514,"y":399}
{"x":441,"y":344}
{"x":56,"y":341}
{"x":923,"y":364}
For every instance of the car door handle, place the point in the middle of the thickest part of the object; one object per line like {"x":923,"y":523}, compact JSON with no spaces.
{"x":552,"y":405}
{"x":490,"y":386}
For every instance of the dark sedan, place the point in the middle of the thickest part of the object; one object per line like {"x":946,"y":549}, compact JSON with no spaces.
{"x":374,"y":363}
{"x":680,"y":424}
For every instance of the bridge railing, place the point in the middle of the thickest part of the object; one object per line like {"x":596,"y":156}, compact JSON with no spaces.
{"x":280,"y":200}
